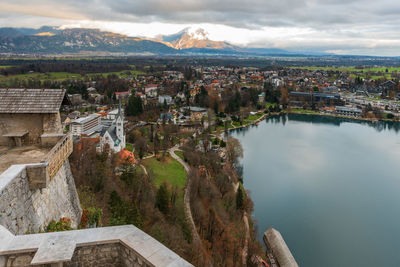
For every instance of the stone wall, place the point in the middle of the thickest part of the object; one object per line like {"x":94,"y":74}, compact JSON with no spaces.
{"x":102,"y":255}
{"x":52,"y":123}
{"x":24,"y":210}
{"x":105,"y":246}
{"x":23,"y":259}
{"x":36,"y":124}
{"x":21,"y":122}
{"x":105,"y":255}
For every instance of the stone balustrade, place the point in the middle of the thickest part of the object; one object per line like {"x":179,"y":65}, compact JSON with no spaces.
{"x":108,"y":246}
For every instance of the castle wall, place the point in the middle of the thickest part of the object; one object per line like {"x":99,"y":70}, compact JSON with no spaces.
{"x":52,"y":123}
{"x":21,"y":122}
{"x":24,"y":210}
{"x":36,"y":124}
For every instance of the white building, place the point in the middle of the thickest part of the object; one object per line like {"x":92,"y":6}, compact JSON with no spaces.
{"x":151,"y":90}
{"x":85,"y":125}
{"x":164,"y":99}
{"x":114,"y":135}
{"x":277,"y":82}
{"x":113,"y":114}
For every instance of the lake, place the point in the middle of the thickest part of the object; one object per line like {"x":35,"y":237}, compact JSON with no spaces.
{"x":330,"y":186}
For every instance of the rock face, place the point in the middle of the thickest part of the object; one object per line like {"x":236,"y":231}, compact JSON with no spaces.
{"x":23,"y":210}
{"x":275,"y":244}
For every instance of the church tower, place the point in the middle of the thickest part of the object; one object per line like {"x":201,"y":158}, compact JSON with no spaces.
{"x":119,"y":120}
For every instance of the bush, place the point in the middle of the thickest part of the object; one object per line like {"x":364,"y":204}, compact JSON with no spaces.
{"x":222,"y":143}
{"x":91,"y":217}
{"x":123,"y":212}
{"x":64,"y":224}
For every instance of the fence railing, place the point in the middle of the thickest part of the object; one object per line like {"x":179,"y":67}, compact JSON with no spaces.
{"x":58,"y":155}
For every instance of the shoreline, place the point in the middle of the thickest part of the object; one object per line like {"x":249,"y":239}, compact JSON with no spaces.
{"x":267,"y":115}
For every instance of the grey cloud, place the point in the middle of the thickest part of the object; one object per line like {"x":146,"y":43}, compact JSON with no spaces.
{"x":355,"y":20}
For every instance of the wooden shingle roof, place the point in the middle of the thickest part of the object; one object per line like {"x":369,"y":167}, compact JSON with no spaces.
{"x":32,"y":100}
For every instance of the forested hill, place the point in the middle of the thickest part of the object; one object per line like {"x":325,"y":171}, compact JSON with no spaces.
{"x":52,"y":41}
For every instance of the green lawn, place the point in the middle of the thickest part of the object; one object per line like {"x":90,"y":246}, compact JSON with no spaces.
{"x":254,"y":117}
{"x":374,"y":73}
{"x":169,"y":170}
{"x":304,"y":111}
{"x":42,"y":76}
{"x":236,"y":123}
{"x":351,"y":69}
{"x":58,"y":76}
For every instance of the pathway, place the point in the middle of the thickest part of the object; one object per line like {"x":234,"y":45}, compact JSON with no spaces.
{"x":186,"y":197}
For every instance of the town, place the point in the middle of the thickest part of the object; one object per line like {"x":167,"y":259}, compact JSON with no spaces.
{"x":235,"y":95}
{"x":151,"y":148}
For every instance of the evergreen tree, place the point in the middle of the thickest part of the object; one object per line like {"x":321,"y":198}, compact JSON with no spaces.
{"x":134,"y":106}
{"x":240,"y":197}
{"x":163,"y":198}
{"x":216,"y":107}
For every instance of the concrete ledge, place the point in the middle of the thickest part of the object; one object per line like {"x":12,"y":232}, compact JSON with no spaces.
{"x":275,"y":244}
{"x":59,"y":247}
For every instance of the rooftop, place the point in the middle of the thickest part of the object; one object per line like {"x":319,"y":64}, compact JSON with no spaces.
{"x":85,"y":119}
{"x":14,"y":100}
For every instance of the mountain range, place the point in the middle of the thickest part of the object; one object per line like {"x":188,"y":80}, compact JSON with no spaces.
{"x":52,"y":40}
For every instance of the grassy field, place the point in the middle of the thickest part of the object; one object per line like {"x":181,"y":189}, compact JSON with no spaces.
{"x":303,"y":111}
{"x":254,"y":117}
{"x":169,"y":170}
{"x":5,"y":66}
{"x":59,"y":76}
{"x":352,"y":69}
{"x":374,"y":73}
{"x":373,"y":77}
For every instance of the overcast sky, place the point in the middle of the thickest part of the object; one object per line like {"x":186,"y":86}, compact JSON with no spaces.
{"x":339,"y":26}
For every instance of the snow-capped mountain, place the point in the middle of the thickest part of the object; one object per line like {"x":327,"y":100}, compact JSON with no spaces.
{"x":190,"y":38}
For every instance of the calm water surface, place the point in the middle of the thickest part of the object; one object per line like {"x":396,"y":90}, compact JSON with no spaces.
{"x":331,"y":187}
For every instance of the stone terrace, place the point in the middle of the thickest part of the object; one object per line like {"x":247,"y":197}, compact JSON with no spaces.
{"x":21,"y":155}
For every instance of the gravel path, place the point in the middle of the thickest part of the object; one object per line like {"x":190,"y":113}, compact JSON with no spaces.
{"x":186,"y":197}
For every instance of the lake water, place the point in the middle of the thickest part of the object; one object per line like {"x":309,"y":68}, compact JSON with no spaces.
{"x":330,"y":186}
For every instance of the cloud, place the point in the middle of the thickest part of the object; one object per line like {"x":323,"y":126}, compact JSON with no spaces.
{"x":349,"y":25}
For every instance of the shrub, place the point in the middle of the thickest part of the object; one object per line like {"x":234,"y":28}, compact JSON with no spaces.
{"x":64,"y":224}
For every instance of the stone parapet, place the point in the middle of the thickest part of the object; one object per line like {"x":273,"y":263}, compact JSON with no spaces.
{"x":25,"y":209}
{"x":108,"y":246}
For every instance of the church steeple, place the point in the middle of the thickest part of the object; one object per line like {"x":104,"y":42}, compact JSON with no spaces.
{"x":119,"y":109}
{"x":119,"y":120}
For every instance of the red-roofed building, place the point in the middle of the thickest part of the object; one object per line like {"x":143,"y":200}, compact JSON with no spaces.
{"x":122,"y":95}
{"x":151,"y":90}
